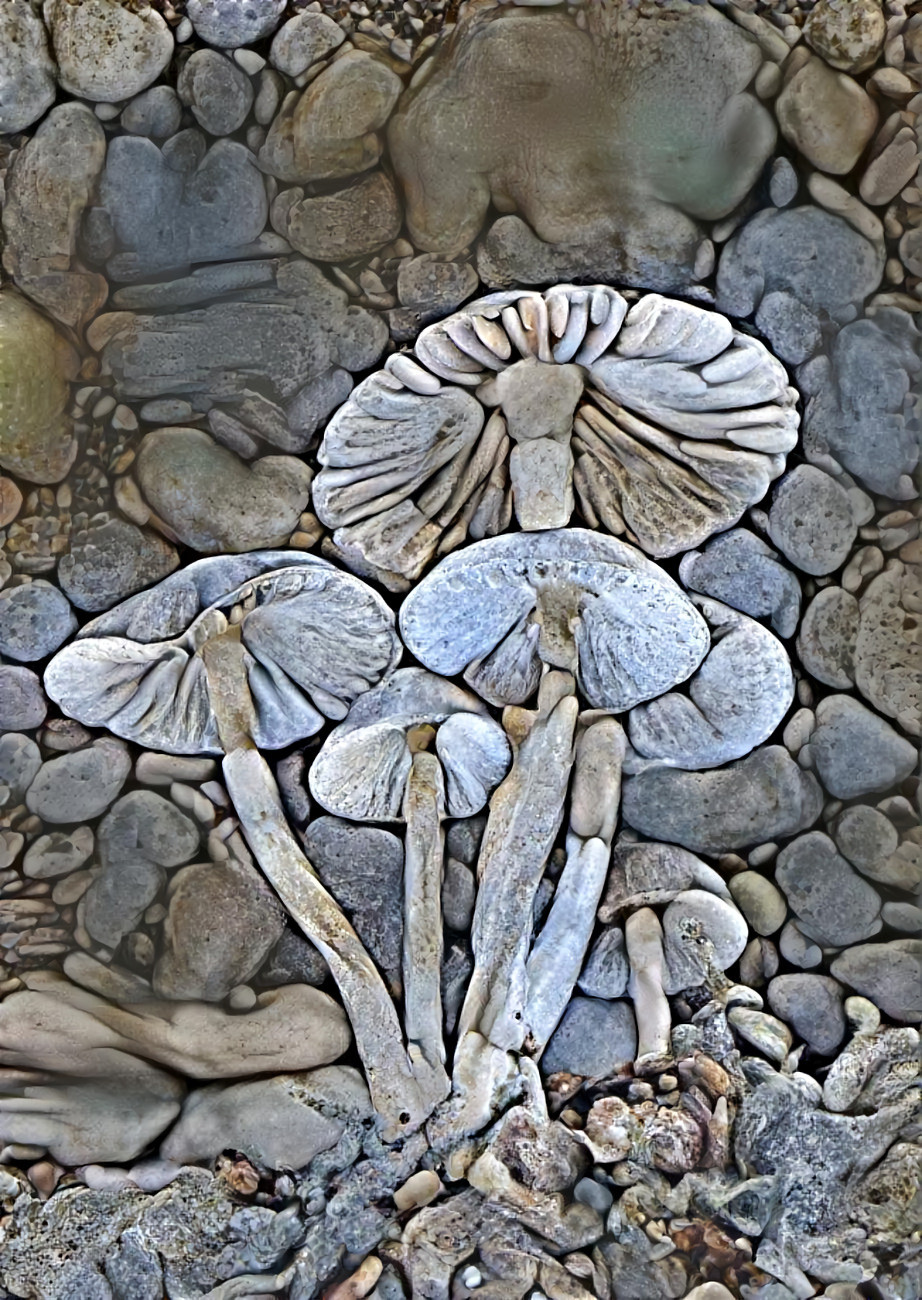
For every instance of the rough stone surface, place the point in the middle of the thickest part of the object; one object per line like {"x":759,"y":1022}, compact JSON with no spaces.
{"x":156,"y":113}
{"x":888,"y":645}
{"x":35,"y":618}
{"x":812,"y":1005}
{"x":337,"y":227}
{"x":811,"y":520}
{"x":430,"y":283}
{"x":20,"y":761}
{"x":80,"y":785}
{"x":116,"y":901}
{"x":595,"y":1038}
{"x":890,"y":974}
{"x":145,"y":823}
{"x":847,"y":33}
{"x":748,"y":802}
{"x":229,"y":23}
{"x":833,"y":904}
{"x":112,"y":559}
{"x":302,"y":41}
{"x":738,"y":568}
{"x":107,"y":50}
{"x":855,"y":751}
{"x":293,"y":960}
{"x":606,"y":972}
{"x":827,"y":116}
{"x":865,"y":836}
{"x":27,"y":85}
{"x":216,"y":90}
{"x":22,"y":700}
{"x":715,"y":918}
{"x":58,"y":854}
{"x":827,"y":637}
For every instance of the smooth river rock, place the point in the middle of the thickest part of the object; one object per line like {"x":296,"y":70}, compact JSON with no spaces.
{"x":833,"y":904}
{"x":856,"y":751}
{"x":80,"y":785}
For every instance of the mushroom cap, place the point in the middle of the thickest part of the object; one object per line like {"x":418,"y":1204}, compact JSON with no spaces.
{"x":362,"y":768}
{"x":571,"y":598}
{"x":314,"y":638}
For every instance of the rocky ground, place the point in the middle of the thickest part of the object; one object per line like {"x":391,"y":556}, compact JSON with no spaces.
{"x":459,"y":650}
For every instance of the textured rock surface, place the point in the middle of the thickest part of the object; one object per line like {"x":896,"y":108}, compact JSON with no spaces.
{"x":833,"y":904}
{"x":856,"y":751}
{"x":889,"y":974}
{"x":80,"y":785}
{"x":106,"y":49}
{"x":27,"y":84}
{"x":595,"y":1038}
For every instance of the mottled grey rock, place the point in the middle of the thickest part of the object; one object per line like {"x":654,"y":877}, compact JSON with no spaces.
{"x":212,"y":500}
{"x":156,"y":113}
{"x":812,"y":1005}
{"x":463,"y":838}
{"x":80,"y":785}
{"x":784,"y":183}
{"x":112,"y":559}
{"x":280,"y":1122}
{"x":811,"y":520}
{"x":27,"y":85}
{"x":890,"y":974}
{"x":888,"y":645}
{"x":855,"y":751}
{"x":313,"y":403}
{"x":595,"y":1038}
{"x":22,"y":700}
{"x":606,"y":972}
{"x":107,"y":50}
{"x":865,"y":836}
{"x":293,"y":960}
{"x":218,"y":92}
{"x":303,"y":40}
{"x":229,"y":23}
{"x":796,"y":948}
{"x":692,"y":913}
{"x":905,"y":917}
{"x":792,"y":327}
{"x":848,"y":34}
{"x":756,"y":799}
{"x":117,"y":899}
{"x":58,"y":854}
{"x":133,"y":1271}
{"x":20,"y":762}
{"x":828,"y":117}
{"x":458,"y":893}
{"x":222,"y":923}
{"x":429,"y":283}
{"x":827,"y":637}
{"x":863,"y":401}
{"x":145,"y":823}
{"x":760,"y":901}
{"x":362,"y":866}
{"x":833,"y":904}
{"x":646,"y":875}
{"x":740,"y":569}
{"x":341,"y":225}
{"x":35,"y":618}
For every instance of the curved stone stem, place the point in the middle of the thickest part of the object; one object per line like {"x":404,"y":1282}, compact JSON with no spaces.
{"x":643,"y":937}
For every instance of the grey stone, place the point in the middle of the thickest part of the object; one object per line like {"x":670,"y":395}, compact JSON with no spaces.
{"x":112,"y":559}
{"x":20,"y":762}
{"x":721,"y":924}
{"x":133,"y":1271}
{"x":855,"y":751}
{"x":146,"y":824}
{"x":223,"y":922}
{"x":646,"y":875}
{"x":229,"y":23}
{"x":293,"y":960}
{"x":793,"y":327}
{"x":833,"y":904}
{"x":156,"y":113}
{"x":887,"y":647}
{"x":27,"y":84}
{"x":314,"y":402}
{"x":812,"y":1005}
{"x":828,"y":635}
{"x":343,"y":224}
{"x":796,"y":948}
{"x":432,"y":284}
{"x":35,"y":618}
{"x":362,"y":866}
{"x":218,"y":92}
{"x":80,"y":785}
{"x":105,"y":50}
{"x":756,"y":799}
{"x":280,"y":1122}
{"x":902,"y":916}
{"x":595,"y":1039}
{"x":606,"y":972}
{"x":811,"y":520}
{"x":865,"y":836}
{"x":862,"y":401}
{"x":784,"y":183}
{"x":116,"y":900}
{"x":760,"y":901}
{"x":457,"y":965}
{"x":463,"y":839}
{"x":458,"y":893}
{"x":58,"y":854}
{"x":890,"y":974}
{"x":740,"y":569}
{"x":302,"y":41}
{"x":22,"y":700}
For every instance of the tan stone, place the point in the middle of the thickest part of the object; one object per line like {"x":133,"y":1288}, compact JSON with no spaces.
{"x":827,"y":116}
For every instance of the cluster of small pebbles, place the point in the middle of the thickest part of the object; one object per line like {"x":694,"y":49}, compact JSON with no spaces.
{"x":503,"y":416}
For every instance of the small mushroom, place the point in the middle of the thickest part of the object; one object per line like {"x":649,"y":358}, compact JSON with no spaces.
{"x":261,"y":666}
{"x":569,"y":598}
{"x":377,"y":765}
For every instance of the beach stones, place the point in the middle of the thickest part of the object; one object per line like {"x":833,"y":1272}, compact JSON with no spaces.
{"x":80,"y":785}
{"x":855,"y":751}
{"x":595,"y":1038}
{"x":229,"y":23}
{"x":107,"y":50}
{"x":833,"y":904}
{"x":35,"y":618}
{"x":890,"y":974}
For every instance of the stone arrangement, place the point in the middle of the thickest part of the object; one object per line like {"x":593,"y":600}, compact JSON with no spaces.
{"x":460,"y":654}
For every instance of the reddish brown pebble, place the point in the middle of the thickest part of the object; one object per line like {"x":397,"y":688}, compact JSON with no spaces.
{"x":10,"y":501}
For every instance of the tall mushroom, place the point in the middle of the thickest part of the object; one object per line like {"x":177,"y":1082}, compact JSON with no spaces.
{"x":261,"y":666}
{"x":377,"y":765}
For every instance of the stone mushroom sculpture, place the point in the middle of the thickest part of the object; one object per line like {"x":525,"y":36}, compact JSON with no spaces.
{"x":262,"y":665}
{"x":377,"y":765}
{"x":658,"y":419}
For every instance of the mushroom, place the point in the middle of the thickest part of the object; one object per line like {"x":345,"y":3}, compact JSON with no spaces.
{"x":661,"y":419}
{"x":377,"y":765}
{"x":263,"y":665}
{"x":569,"y":598}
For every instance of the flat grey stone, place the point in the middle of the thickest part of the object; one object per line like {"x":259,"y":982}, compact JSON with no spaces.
{"x":754,"y":800}
{"x":27,"y":84}
{"x":314,"y":402}
{"x":156,"y":113}
{"x":606,"y":972}
{"x":811,"y":520}
{"x":35,"y":618}
{"x":20,"y":762}
{"x":58,"y":854}
{"x":223,"y":922}
{"x":796,"y":948}
{"x":833,"y":904}
{"x":719,"y":921}
{"x":855,"y":751}
{"x":595,"y":1039}
{"x":888,"y":645}
{"x":793,"y":328}
{"x":80,"y":785}
{"x":828,"y":636}
{"x":902,"y":916}
{"x":362,"y":866}
{"x":302,"y":40}
{"x":229,"y":23}
{"x":116,"y":900}
{"x":111,"y":560}
{"x":890,"y":974}
{"x":865,"y":836}
{"x":145,"y":823}
{"x":812,"y":1006}
{"x":741,"y":570}
{"x":218,"y":92}
{"x":463,"y":838}
{"x":293,"y":960}
{"x":458,"y":893}
{"x":429,"y":283}
{"x":22,"y":700}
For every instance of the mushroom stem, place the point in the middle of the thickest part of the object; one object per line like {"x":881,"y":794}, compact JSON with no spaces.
{"x":541,"y":472}
{"x":423,"y":810}
{"x":643,"y":937}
